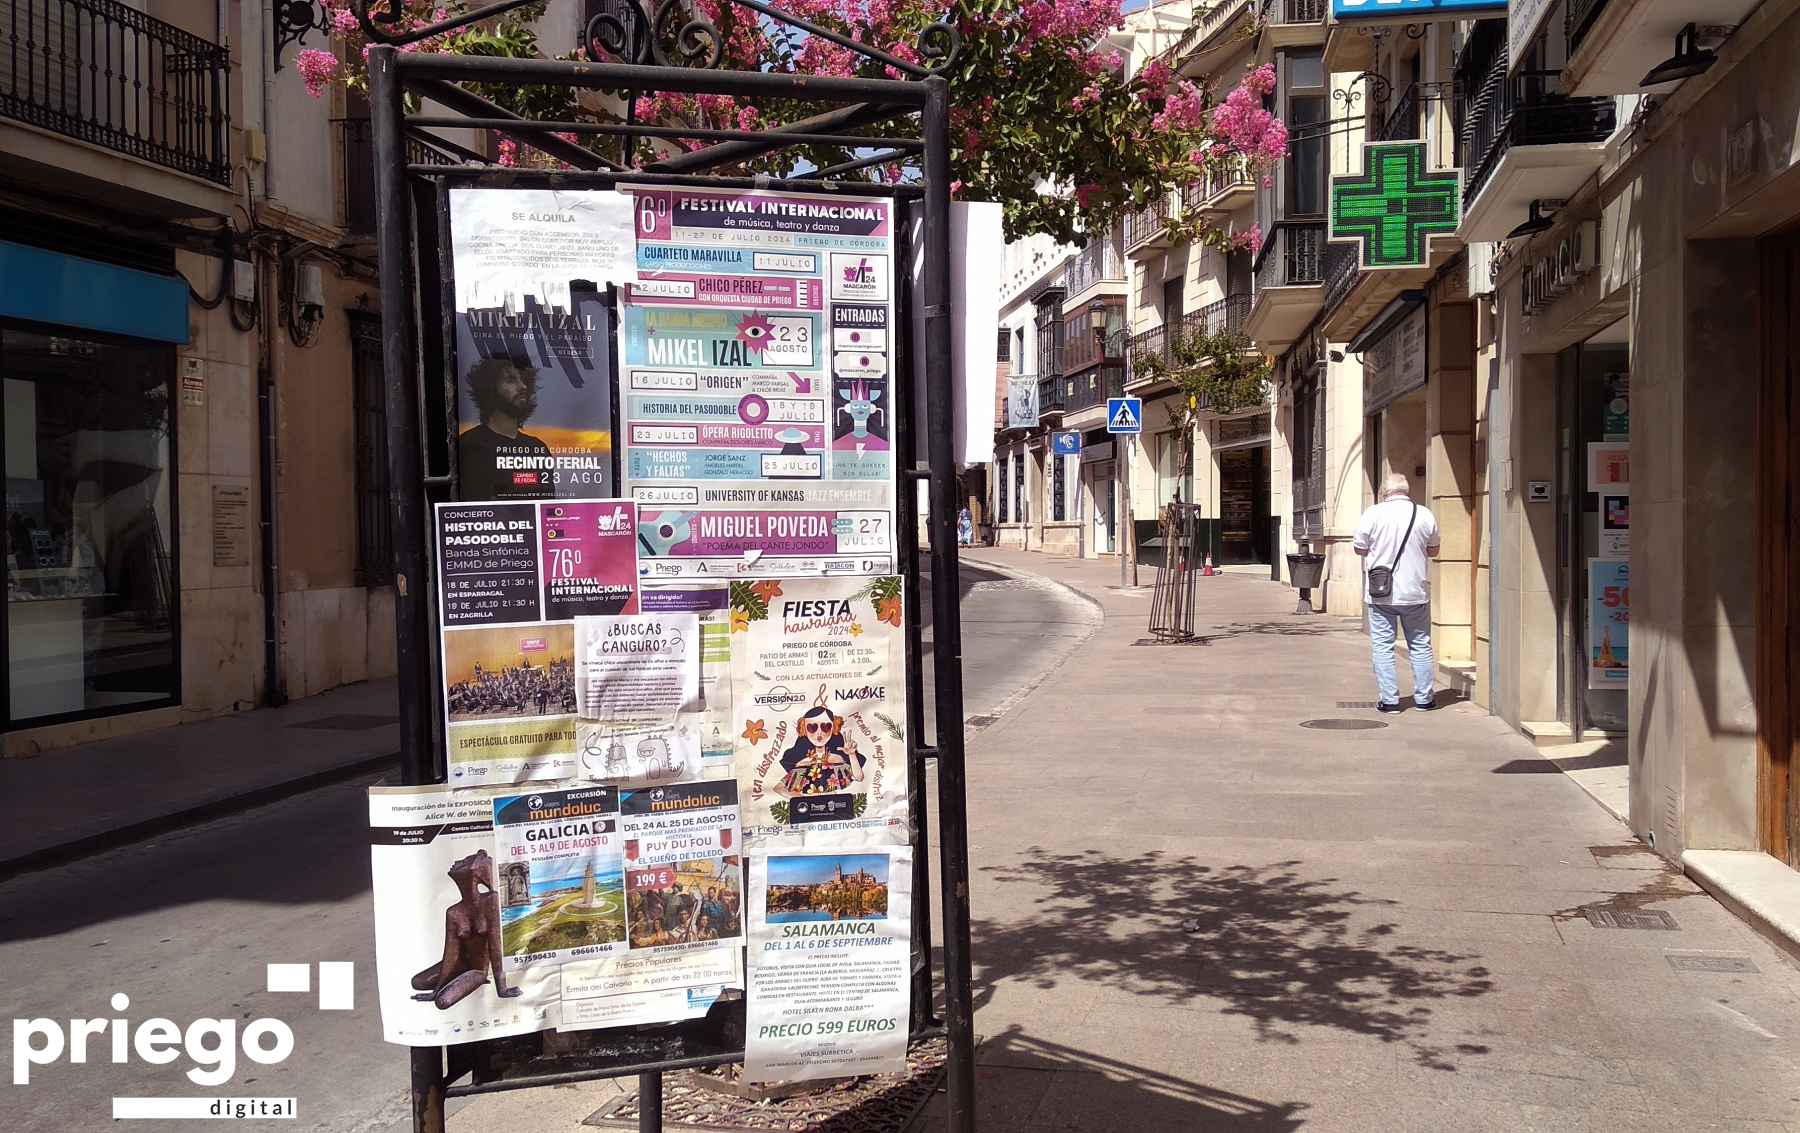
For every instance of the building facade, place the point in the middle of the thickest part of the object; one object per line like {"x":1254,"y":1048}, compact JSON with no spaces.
{"x":190,"y":341}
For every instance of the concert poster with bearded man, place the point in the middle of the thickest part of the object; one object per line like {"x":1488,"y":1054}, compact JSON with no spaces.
{"x":533,"y":362}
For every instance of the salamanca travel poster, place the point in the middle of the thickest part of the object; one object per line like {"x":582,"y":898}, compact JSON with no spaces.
{"x":820,"y":709}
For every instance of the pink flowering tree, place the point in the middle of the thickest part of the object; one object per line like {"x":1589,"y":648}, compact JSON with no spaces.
{"x":1038,"y":98}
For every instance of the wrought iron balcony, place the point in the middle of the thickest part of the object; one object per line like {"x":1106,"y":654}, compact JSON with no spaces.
{"x":1229,"y":177}
{"x":101,"y":72}
{"x":1092,"y":387}
{"x":1526,"y":108}
{"x":1403,"y":121}
{"x":1097,"y":263}
{"x":356,"y":151}
{"x":1152,"y":343}
{"x":1293,"y":11}
{"x":1148,"y":225}
{"x":1581,"y":15}
{"x":1341,"y":272}
{"x":1293,"y":255}
{"x":1228,"y":313}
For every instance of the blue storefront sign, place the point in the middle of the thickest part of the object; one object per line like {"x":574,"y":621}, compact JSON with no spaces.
{"x":1415,"y":9}
{"x":49,"y":287}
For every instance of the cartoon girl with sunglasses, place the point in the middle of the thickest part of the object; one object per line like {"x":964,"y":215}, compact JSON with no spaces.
{"x":823,"y":759}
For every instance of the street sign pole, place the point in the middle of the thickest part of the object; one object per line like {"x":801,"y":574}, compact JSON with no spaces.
{"x":1125,"y":420}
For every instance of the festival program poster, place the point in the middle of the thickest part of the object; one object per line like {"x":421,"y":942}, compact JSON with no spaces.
{"x":561,"y":886}
{"x":533,"y":338}
{"x":655,"y":986}
{"x":829,"y":963}
{"x":756,"y":397}
{"x":1609,"y":623}
{"x":820,"y":702}
{"x":439,"y":973}
{"x":683,"y":869}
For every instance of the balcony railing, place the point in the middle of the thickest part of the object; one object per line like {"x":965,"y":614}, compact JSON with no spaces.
{"x":1228,"y":313}
{"x":101,"y":72}
{"x":1219,"y":180}
{"x":1293,"y":11}
{"x":1147,"y":224}
{"x":1341,"y":272}
{"x":1093,"y":387}
{"x":1293,"y":255}
{"x":356,"y":150}
{"x":1099,"y":262}
{"x":1052,"y":395}
{"x":1403,"y":122}
{"x":1524,"y":109}
{"x":1581,"y":17}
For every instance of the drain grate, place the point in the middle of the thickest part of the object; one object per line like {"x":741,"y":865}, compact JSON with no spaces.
{"x":976,"y":723}
{"x":1333,"y":724}
{"x":1601,"y":917}
{"x":1356,"y":704}
{"x":1710,"y":962}
{"x":347,"y":722}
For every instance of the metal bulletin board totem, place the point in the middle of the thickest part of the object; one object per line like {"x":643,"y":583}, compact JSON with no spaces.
{"x":652,"y":460}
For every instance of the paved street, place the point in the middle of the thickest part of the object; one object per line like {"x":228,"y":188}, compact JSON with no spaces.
{"x":184,"y":924}
{"x":1191,"y":912}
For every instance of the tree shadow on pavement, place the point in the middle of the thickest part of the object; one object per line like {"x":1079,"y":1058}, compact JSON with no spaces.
{"x":1026,"y":1083}
{"x":1257,"y":941}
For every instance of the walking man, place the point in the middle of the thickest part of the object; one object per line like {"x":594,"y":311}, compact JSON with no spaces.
{"x":1396,"y":540}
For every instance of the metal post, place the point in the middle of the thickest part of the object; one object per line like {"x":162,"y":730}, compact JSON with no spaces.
{"x":412,"y":621}
{"x":953,"y":815}
{"x":650,"y":1102}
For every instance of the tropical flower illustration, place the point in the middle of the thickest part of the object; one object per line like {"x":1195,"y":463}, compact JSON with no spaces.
{"x":767,"y":591}
{"x":740,"y":621}
{"x":888,"y":610}
{"x":754,"y":732}
{"x":855,"y":629}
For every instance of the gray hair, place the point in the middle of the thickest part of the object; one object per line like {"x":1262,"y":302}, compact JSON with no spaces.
{"x":1396,"y":484}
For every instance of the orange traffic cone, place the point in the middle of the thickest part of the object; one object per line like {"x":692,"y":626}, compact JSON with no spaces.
{"x":1206,"y":568}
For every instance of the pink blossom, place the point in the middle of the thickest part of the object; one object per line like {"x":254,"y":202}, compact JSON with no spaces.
{"x":1085,"y":194}
{"x":1155,"y":76}
{"x":1251,"y":130}
{"x":1185,"y":110}
{"x":343,"y":21}
{"x":1249,"y":240}
{"x":747,"y":118}
{"x":317,"y":69}
{"x":1089,"y":96}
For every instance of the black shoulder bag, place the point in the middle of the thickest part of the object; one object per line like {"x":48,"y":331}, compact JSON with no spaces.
{"x":1381,"y":579}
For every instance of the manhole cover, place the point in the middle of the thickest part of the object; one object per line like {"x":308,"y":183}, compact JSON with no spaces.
{"x":1643,"y":918}
{"x":347,"y":722}
{"x":1341,"y":725}
{"x":980,"y":722}
{"x":1709,"y":962}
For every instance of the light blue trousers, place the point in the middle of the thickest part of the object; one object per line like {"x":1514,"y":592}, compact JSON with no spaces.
{"x":1415,"y":622}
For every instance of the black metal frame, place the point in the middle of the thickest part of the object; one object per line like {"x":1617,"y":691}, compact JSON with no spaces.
{"x":412,"y":219}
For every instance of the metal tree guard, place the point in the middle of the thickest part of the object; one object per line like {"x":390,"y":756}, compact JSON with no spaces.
{"x":1172,"y":601}
{"x":413,"y":242}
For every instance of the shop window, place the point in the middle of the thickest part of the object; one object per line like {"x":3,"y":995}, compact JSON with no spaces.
{"x":91,"y":615}
{"x":374,"y":544}
{"x":1059,"y":487}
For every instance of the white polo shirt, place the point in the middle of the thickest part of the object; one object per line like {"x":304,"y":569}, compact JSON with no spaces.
{"x":1379,"y":534}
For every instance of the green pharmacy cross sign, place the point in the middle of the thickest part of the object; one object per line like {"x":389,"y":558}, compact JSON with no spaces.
{"x":1395,"y":205}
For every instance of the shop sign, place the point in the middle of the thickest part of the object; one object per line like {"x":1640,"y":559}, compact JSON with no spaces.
{"x":1553,"y":275}
{"x":1394,"y":365}
{"x":1395,"y":206}
{"x":1409,"y":10}
{"x":1021,"y":403}
{"x":1523,"y":19}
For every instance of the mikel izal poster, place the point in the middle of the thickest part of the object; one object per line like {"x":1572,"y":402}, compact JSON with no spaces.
{"x":533,"y":339}
{"x":440,"y":923}
{"x":756,"y":384}
{"x":828,"y":965}
{"x":820,"y":706}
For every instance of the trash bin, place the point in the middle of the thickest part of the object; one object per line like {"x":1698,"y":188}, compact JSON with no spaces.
{"x":1306,"y":569}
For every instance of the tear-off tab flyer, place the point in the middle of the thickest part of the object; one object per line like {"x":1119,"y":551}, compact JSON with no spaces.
{"x":828,"y":965}
{"x":821,"y":708}
{"x":756,"y":385}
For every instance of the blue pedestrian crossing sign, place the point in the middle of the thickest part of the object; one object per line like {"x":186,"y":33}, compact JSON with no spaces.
{"x":1065,"y":443}
{"x":1124,"y":415}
